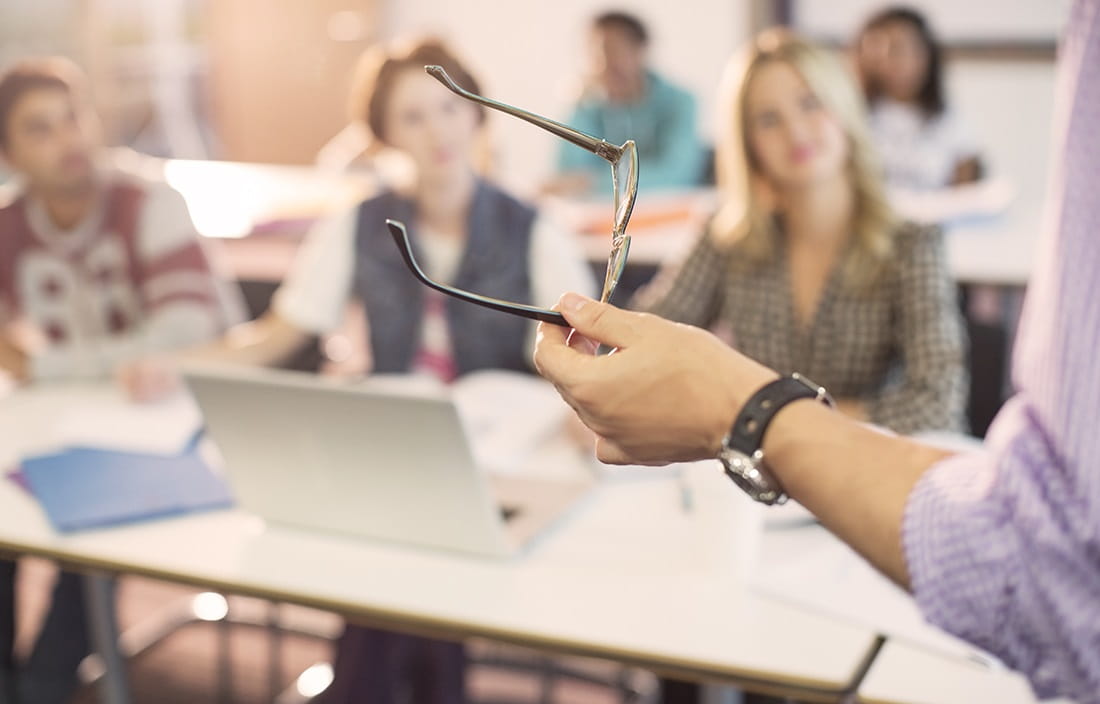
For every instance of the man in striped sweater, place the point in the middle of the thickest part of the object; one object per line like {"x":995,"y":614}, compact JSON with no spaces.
{"x":99,"y":268}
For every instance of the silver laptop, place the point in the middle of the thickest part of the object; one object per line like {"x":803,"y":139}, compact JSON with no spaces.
{"x":386,"y":464}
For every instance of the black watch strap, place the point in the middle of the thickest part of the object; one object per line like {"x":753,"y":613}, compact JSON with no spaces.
{"x":747,"y":434}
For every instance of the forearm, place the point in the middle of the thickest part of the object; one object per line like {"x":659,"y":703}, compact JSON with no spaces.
{"x":174,"y":327}
{"x":855,"y":479}
{"x":853,"y":408}
{"x":967,"y":171}
{"x":267,"y":341}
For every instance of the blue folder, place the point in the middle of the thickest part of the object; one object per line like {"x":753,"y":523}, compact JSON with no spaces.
{"x":83,"y":487}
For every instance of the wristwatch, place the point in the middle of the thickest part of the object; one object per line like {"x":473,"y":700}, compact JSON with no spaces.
{"x":741,"y":452}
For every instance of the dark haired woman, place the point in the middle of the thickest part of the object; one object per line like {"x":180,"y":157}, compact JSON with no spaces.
{"x":469,"y":233}
{"x":921,"y":141}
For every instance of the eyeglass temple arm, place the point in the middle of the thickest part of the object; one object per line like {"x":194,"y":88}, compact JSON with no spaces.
{"x":597,"y":146}
{"x":401,"y":238}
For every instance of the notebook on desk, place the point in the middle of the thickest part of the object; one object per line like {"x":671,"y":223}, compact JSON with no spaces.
{"x":388,"y":464}
{"x":89,"y":487}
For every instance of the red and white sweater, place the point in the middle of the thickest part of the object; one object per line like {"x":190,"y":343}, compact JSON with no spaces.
{"x":131,"y":280}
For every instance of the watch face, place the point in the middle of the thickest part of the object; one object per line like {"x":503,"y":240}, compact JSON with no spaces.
{"x":744,"y":484}
{"x":745,"y":473}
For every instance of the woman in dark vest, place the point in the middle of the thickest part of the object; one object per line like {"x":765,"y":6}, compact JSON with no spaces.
{"x":466,"y":231}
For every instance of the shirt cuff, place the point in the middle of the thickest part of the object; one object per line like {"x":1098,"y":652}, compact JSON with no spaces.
{"x":962,"y":553}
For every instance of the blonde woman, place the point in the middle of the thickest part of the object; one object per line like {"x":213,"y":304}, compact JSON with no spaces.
{"x":805,"y":265}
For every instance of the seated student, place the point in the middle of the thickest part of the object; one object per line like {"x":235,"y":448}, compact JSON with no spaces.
{"x":922,"y":142}
{"x":626,"y":100}
{"x":98,"y":267}
{"x":804,"y":262}
{"x":468,"y":232}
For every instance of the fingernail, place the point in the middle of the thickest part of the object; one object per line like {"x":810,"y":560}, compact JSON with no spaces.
{"x":573,"y":302}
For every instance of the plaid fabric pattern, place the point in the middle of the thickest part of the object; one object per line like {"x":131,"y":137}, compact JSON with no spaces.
{"x":898,"y":347}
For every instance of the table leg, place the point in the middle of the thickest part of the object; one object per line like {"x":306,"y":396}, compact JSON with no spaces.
{"x":114,"y":687}
{"x":720,"y":694}
{"x":225,"y":666}
{"x":275,"y":658}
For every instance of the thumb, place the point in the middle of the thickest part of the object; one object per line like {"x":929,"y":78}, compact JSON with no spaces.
{"x":600,"y":322}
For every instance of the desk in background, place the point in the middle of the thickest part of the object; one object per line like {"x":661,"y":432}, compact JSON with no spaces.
{"x":261,"y":211}
{"x":990,"y":234}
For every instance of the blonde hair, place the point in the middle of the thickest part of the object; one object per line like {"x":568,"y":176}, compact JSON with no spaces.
{"x":746,"y":222}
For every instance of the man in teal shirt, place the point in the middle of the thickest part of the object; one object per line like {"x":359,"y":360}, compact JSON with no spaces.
{"x":625,"y":101}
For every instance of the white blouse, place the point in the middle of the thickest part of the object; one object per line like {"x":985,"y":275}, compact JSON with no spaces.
{"x":918,"y":152}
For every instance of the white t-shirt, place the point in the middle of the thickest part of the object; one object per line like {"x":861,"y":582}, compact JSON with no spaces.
{"x":315,"y":294}
{"x":917,"y":152}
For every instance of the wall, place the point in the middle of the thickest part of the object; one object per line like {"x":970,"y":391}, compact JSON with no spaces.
{"x":532,"y":53}
{"x":1005,"y":97}
{"x":279,"y":74}
{"x":954,"y":21}
{"x":1009,"y":106}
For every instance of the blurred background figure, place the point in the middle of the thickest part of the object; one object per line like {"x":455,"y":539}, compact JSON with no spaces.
{"x":356,"y":148}
{"x":100,"y":265}
{"x":99,"y":268}
{"x":805,"y":264}
{"x":624,"y":99}
{"x":922,"y":141}
{"x":467,"y":232}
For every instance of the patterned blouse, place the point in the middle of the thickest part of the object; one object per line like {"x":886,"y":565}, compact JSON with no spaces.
{"x":898,"y":347}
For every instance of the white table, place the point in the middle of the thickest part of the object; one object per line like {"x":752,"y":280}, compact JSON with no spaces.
{"x":996,"y":252}
{"x":630,"y":576}
{"x":809,"y":567}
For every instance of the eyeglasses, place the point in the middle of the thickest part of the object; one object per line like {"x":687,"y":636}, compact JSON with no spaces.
{"x":622,"y":159}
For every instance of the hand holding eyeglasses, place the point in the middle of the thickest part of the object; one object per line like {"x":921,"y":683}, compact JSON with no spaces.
{"x":624,"y":176}
{"x":669,"y":392}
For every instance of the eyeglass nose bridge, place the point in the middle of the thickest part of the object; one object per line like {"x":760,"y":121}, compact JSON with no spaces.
{"x":609,"y":152}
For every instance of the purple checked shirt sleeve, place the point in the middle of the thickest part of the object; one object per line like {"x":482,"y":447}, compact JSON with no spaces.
{"x":1003,"y":546}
